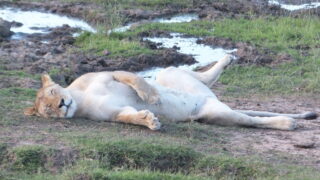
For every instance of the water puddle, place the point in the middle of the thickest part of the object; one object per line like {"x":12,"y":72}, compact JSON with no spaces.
{"x":203,"y":54}
{"x":173,"y":19}
{"x":39,"y":22}
{"x":292,"y":7}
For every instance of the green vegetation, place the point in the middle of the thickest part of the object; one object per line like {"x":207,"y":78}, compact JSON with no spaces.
{"x":100,"y":42}
{"x":134,"y":154}
{"x":145,"y":4}
{"x":91,"y":173}
{"x":129,"y":159}
{"x":3,"y":152}
{"x":13,"y":100}
{"x":24,"y":93}
{"x":20,"y":74}
{"x":282,"y":35}
{"x":29,"y":159}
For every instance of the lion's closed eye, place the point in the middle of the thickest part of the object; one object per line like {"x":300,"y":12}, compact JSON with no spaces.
{"x":53,"y":92}
{"x":48,"y":107}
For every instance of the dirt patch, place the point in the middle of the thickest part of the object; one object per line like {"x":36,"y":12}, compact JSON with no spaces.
{"x":40,"y":53}
{"x":270,"y":143}
{"x":167,"y":57}
{"x":5,"y":29}
{"x":7,"y":82}
{"x":238,"y":8}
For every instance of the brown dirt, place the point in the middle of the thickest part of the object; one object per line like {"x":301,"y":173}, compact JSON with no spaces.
{"x":270,"y":143}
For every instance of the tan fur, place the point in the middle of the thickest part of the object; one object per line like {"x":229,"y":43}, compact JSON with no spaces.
{"x":177,"y":95}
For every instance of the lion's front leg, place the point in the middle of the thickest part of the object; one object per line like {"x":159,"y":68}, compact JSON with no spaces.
{"x":143,"y":117}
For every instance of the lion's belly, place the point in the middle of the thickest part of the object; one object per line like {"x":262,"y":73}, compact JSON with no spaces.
{"x":174,"y":105}
{"x":177,"y":105}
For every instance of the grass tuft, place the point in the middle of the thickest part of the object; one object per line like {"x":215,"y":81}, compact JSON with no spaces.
{"x":98,"y":43}
{"x":133,"y":154}
{"x":29,"y":159}
{"x":221,"y":166}
{"x":3,"y":151}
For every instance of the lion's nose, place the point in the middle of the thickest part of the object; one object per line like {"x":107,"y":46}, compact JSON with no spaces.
{"x":61,"y":103}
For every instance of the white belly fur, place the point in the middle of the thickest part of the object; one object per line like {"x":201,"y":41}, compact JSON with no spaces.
{"x":173,"y":105}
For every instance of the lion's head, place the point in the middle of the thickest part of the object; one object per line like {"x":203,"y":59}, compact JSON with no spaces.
{"x":52,"y":101}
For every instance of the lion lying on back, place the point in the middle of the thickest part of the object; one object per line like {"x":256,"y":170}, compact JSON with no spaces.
{"x":178,"y":95}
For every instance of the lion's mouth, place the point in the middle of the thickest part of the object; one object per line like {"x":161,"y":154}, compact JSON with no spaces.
{"x":67,"y":106}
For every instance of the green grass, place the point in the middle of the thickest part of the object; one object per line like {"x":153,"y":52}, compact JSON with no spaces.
{"x":3,"y":151}
{"x":145,"y":4}
{"x":287,"y":78}
{"x":134,"y":154}
{"x":29,"y":159}
{"x":24,"y":93}
{"x":17,"y":73}
{"x":281,"y":35}
{"x":98,"y":43}
{"x":90,"y":173}
{"x":13,"y":100}
{"x":129,"y":159}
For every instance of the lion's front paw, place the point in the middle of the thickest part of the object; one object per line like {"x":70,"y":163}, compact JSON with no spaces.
{"x":152,"y":122}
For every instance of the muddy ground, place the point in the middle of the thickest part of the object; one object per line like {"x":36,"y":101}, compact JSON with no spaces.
{"x":58,"y":52}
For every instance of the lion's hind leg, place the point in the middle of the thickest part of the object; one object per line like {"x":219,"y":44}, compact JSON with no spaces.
{"x":210,"y":76}
{"x":215,"y":112}
{"x":132,"y":116}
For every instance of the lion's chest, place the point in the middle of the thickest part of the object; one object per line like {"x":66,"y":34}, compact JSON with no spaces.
{"x":113,"y":92}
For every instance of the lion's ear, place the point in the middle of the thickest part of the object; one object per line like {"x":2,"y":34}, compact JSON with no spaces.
{"x":46,"y":80}
{"x":30,"y":111}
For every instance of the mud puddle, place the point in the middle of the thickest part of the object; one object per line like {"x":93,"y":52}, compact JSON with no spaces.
{"x":294,"y":7}
{"x":38,"y":22}
{"x":169,"y":19}
{"x":203,"y":54}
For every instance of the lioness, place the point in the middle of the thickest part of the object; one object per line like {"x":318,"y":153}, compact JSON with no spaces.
{"x":176,"y":94}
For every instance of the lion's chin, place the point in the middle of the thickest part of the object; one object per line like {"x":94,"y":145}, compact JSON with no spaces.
{"x":68,"y":112}
{"x":71,"y":110}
